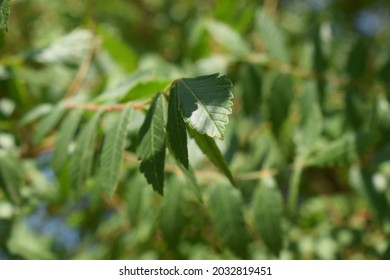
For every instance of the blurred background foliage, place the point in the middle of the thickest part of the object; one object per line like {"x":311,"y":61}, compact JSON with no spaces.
{"x":308,"y":140}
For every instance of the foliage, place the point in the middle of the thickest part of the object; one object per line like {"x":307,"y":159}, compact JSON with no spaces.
{"x":120,"y":136}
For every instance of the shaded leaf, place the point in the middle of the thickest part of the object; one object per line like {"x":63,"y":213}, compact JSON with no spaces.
{"x":82,"y":158}
{"x":211,"y":150}
{"x":279,"y":100}
{"x":49,"y":122}
{"x":171,"y":215}
{"x":65,"y":137}
{"x":176,"y":129}
{"x":251,"y":83}
{"x":111,"y":157}
{"x":225,"y":205}
{"x":151,"y":148}
{"x":205,"y":103}
{"x":268,"y":211}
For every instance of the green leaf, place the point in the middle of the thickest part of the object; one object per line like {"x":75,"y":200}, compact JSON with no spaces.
{"x":362,"y":180}
{"x":228,"y":37}
{"x":311,"y":124}
{"x":111,"y":157}
{"x":4,"y":14}
{"x":10,"y":177}
{"x":82,"y":158}
{"x":65,"y":137}
{"x":272,"y":37}
{"x":49,"y":122}
{"x":122,"y":53}
{"x":279,"y":100}
{"x":36,"y":113}
{"x":171,"y":215}
{"x":225,"y":205}
{"x":29,"y":245}
{"x":151,"y":148}
{"x":251,"y":83}
{"x":211,"y":150}
{"x":141,"y":84}
{"x":358,"y":60}
{"x":176,"y":129}
{"x":268,"y":211}
{"x":205,"y":103}
{"x":342,"y":151}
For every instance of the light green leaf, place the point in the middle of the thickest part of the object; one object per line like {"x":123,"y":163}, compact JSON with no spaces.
{"x":29,"y":245}
{"x":65,"y":137}
{"x":268,"y":211}
{"x":82,"y":158}
{"x":228,"y":37}
{"x":49,"y":122}
{"x":4,"y":14}
{"x":171,"y":215}
{"x":205,"y":103}
{"x":176,"y":129}
{"x":211,"y":150}
{"x":151,"y":149}
{"x":36,"y":113}
{"x":272,"y":37}
{"x":342,"y":151}
{"x":122,"y":53}
{"x":111,"y":157}
{"x":225,"y":205}
{"x":10,"y":177}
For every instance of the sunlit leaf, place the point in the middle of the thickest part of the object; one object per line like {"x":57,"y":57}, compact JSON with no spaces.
{"x":205,"y":103}
{"x":4,"y":14}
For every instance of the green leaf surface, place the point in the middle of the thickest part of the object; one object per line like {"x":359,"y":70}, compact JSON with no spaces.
{"x":205,"y":103}
{"x":65,"y":137}
{"x":251,"y":83}
{"x":228,"y":37}
{"x":342,"y":151}
{"x":111,"y":157}
{"x":49,"y":122}
{"x":36,"y":113}
{"x":268,"y":211}
{"x":279,"y":100}
{"x":225,"y":205}
{"x":4,"y":14}
{"x":10,"y":177}
{"x":171,"y":213}
{"x":151,"y":148}
{"x":211,"y":150}
{"x":82,"y":158}
{"x":176,"y":129}
{"x":122,"y":53}
{"x":272,"y":37}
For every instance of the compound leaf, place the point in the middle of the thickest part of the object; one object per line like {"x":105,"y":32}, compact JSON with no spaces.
{"x":49,"y":122}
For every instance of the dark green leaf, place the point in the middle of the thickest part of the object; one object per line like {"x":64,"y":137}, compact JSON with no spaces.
{"x":205,"y":103}
{"x":279,"y":100}
{"x":251,"y":83}
{"x":225,"y":205}
{"x":171,"y":215}
{"x":176,"y":129}
{"x":211,"y":150}
{"x":268,"y":211}
{"x":65,"y":137}
{"x":357,"y":60}
{"x":82,"y":158}
{"x":151,"y":148}
{"x":111,"y":157}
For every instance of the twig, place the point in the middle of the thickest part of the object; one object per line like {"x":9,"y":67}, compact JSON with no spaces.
{"x":106,"y":108}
